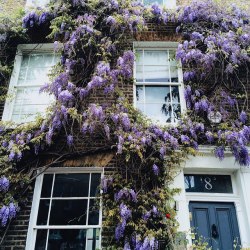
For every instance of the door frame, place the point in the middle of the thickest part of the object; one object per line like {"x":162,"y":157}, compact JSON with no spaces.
{"x":216,"y":197}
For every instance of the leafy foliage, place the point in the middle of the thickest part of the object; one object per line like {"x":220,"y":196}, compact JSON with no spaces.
{"x":97,"y":60}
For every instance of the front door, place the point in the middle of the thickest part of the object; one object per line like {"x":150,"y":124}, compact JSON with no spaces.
{"x":217,"y":223}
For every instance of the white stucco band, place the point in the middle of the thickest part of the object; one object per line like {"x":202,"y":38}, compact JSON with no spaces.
{"x":207,"y":163}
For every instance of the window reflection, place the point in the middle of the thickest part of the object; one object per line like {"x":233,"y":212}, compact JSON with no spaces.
{"x":160,"y":103}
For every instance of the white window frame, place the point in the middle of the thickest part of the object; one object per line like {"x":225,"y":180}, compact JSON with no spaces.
{"x":32,"y":4}
{"x":22,"y":49}
{"x":144,"y":45}
{"x":170,"y":4}
{"x":32,"y":230}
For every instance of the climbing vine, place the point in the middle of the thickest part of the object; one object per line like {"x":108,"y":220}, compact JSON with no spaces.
{"x":97,"y":60}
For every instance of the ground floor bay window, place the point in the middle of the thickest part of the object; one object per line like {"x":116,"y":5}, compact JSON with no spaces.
{"x":66,"y":211}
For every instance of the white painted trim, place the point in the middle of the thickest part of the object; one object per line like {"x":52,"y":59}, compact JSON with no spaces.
{"x":31,"y":236}
{"x":75,"y":170}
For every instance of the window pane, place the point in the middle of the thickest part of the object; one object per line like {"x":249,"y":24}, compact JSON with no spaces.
{"x":35,"y":60}
{"x":140,"y":107}
{"x":95,"y":182}
{"x":157,"y":94}
{"x":157,"y":112}
{"x":176,"y":112}
{"x":174,"y":74}
{"x":139,"y":93}
{"x":47,"y":185}
{"x":172,"y":58}
{"x":156,"y":57}
{"x":76,"y":239}
{"x":156,"y":74}
{"x":68,"y":212}
{"x":139,"y":73}
{"x":71,"y":185}
{"x":22,"y":74}
{"x":94,"y":212}
{"x":30,"y":95}
{"x":41,"y":238}
{"x":28,"y":102}
{"x":60,"y":239}
{"x":139,"y":57}
{"x":25,"y":61}
{"x":93,"y":239}
{"x":175,"y":94}
{"x":37,"y":76}
{"x":49,"y":60}
{"x":43,"y":212}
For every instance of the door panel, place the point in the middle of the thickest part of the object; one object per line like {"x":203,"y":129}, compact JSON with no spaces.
{"x":201,"y":221}
{"x":225,"y":227}
{"x":217,"y":223}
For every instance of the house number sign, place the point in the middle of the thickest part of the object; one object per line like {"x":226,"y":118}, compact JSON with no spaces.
{"x":208,"y":183}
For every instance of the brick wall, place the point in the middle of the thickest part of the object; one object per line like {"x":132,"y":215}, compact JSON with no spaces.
{"x":16,"y":236}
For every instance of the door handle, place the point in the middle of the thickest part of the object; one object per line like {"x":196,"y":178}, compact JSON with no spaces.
{"x":215,"y":233}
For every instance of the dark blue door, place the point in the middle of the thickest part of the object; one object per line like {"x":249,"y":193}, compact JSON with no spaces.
{"x":217,"y":223}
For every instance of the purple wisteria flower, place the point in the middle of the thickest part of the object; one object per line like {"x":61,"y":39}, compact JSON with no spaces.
{"x":146,"y":215}
{"x":13,"y":209}
{"x":185,"y":139}
{"x":241,"y":154}
{"x":4,"y":184}
{"x":210,"y":136}
{"x":119,"y":230}
{"x":111,"y":20}
{"x":70,"y":140}
{"x":155,"y":211}
{"x":12,"y":156}
{"x":5,"y":144}
{"x":65,"y":96}
{"x":219,"y":152}
{"x":125,"y":121}
{"x":162,"y":151}
{"x":106,"y":182}
{"x":126,"y":194}
{"x":4,"y":215}
{"x":243,"y":117}
{"x":155,"y":9}
{"x":125,"y":212}
{"x":156,"y":169}
{"x":30,"y":20}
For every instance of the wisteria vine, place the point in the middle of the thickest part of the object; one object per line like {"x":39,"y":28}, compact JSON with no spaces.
{"x":96,"y":60}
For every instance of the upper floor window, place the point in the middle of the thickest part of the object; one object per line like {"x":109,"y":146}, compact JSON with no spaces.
{"x":159,"y":88}
{"x":66,"y":211}
{"x":36,"y":3}
{"x":165,"y":3}
{"x":31,"y":68}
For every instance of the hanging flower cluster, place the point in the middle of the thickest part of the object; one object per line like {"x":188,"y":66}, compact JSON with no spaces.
{"x":97,"y":61}
{"x":7,"y":212}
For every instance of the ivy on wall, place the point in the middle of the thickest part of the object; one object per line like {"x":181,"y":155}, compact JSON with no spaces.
{"x":96,"y":58}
